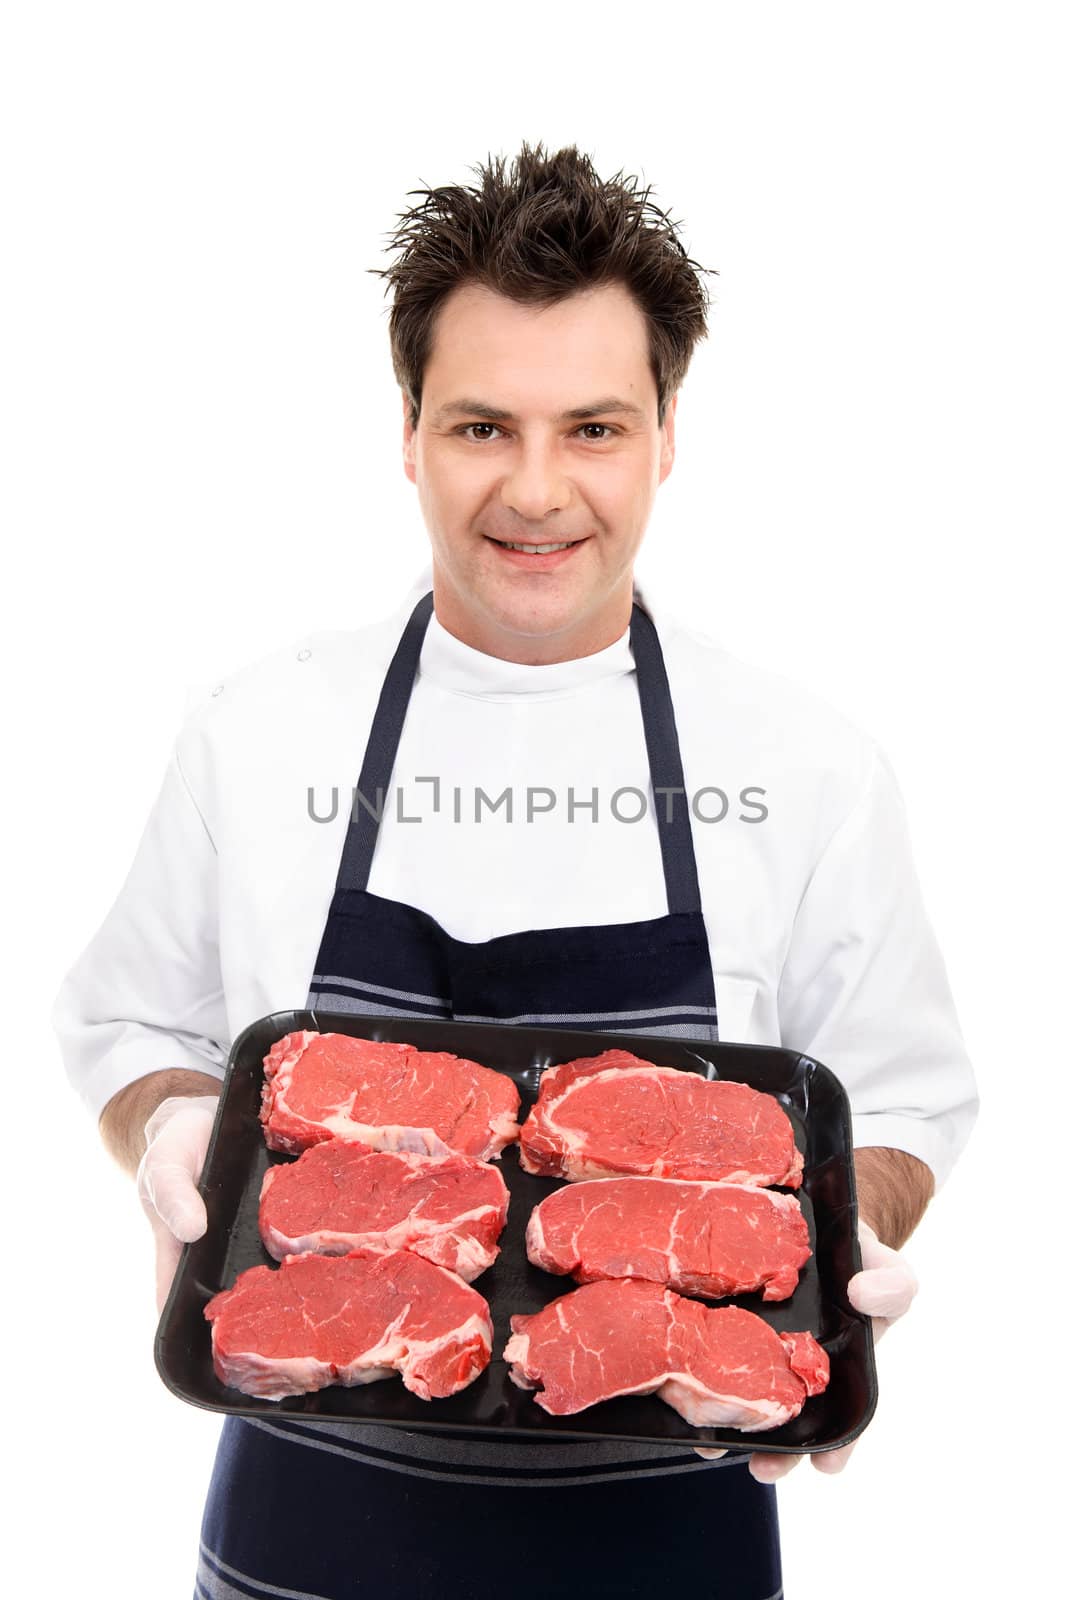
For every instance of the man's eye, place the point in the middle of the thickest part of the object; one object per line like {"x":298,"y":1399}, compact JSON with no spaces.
{"x":605,"y":430}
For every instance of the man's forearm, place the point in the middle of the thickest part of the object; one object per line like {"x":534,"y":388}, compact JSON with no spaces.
{"x":123,"y":1118}
{"x":894,"y":1189}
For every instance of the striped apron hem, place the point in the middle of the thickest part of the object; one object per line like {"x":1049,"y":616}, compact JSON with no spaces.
{"x":458,"y":1462}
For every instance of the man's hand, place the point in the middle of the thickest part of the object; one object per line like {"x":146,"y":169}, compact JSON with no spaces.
{"x":883,"y":1291}
{"x":177,"y":1135}
{"x":894,"y":1188}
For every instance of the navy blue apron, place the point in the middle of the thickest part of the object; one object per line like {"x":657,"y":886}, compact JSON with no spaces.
{"x":330,"y":1510}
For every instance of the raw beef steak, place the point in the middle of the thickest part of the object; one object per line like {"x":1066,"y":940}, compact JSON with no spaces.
{"x":390,"y":1096}
{"x":605,"y":1115}
{"x":711,"y":1239}
{"x":723,"y":1368}
{"x":318,"y":1320}
{"x":339,"y":1197}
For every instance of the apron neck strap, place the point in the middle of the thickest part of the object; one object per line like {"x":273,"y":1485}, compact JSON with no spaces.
{"x":661,"y":741}
{"x":665,"y":766}
{"x":380,"y":754}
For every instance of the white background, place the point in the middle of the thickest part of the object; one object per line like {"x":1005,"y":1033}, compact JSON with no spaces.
{"x":201,"y":435}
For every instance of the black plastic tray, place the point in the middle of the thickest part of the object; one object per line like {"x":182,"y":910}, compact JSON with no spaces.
{"x":237,"y":1158}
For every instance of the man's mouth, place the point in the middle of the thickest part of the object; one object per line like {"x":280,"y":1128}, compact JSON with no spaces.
{"x":535,"y":549}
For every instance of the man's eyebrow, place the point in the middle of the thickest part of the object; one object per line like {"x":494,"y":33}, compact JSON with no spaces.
{"x":610,"y":404}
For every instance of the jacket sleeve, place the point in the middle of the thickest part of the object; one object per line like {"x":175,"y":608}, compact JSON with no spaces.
{"x":864,"y":988}
{"x":146,"y":994}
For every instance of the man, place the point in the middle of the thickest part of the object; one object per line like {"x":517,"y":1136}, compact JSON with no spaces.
{"x":542,"y":324}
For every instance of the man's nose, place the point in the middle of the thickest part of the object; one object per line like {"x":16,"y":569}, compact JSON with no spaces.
{"x":535,"y":484}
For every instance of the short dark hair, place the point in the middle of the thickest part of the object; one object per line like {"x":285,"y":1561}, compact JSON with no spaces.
{"x":548,"y":228}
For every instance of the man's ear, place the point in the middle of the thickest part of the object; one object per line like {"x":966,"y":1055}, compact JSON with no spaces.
{"x":409,"y":437}
{"x":666,"y":460}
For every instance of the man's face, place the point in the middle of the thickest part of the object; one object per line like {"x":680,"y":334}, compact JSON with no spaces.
{"x":496,"y":457}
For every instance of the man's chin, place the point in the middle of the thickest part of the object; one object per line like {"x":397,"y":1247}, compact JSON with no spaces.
{"x":492,"y":601}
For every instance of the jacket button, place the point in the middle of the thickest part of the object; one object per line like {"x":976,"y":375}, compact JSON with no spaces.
{"x":302,"y":655}
{"x":218,"y":689}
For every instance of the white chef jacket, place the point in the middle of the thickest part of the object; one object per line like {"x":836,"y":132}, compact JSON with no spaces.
{"x":818,"y":935}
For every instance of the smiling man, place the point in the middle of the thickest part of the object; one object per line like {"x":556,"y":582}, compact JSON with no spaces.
{"x":704,"y":851}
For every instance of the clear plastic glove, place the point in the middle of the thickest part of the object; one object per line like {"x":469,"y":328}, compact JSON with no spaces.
{"x":178,"y":1132}
{"x":883,"y":1290}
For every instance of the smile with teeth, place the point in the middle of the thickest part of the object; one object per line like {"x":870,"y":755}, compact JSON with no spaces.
{"x":537,"y":549}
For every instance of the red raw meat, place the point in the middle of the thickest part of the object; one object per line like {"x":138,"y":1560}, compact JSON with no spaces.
{"x":321,"y":1086}
{"x":710,"y":1239}
{"x":606,"y":1115}
{"x":338,"y":1197}
{"x":717,"y":1367}
{"x":319,"y":1320}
